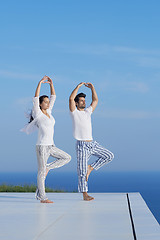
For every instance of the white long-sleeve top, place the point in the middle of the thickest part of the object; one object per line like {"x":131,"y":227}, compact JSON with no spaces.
{"x":44,"y":123}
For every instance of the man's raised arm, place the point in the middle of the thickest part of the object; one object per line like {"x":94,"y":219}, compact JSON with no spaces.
{"x":94,"y":95}
{"x":72,"y":104}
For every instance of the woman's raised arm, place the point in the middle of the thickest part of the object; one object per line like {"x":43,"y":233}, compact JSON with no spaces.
{"x":51,"y":85}
{"x":39,"y":86}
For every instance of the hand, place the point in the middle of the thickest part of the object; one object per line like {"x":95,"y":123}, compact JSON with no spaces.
{"x":89,"y":85}
{"x":44,"y":79}
{"x":49,"y":80}
{"x":81,"y":84}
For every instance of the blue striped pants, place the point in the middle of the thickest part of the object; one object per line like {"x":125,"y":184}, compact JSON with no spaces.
{"x":84,"y":151}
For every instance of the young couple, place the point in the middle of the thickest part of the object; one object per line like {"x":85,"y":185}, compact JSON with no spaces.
{"x":42,"y":118}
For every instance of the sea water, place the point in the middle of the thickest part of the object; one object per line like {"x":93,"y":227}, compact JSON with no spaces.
{"x":146,"y":183}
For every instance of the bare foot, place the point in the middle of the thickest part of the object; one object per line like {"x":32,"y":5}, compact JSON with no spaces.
{"x":86,"y":197}
{"x":46,"y":201}
{"x":47,"y":170}
{"x":90,"y":169}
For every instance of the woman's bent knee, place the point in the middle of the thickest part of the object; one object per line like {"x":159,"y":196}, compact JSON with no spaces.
{"x":68,"y":158}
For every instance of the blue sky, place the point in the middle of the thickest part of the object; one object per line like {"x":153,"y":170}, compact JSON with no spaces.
{"x":114,"y":45}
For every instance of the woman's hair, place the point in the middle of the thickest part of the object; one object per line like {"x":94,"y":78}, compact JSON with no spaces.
{"x":31,"y":118}
{"x":41,"y":98}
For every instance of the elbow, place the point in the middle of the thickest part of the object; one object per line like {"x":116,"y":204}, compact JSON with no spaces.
{"x":95,"y":100}
{"x":71,"y":99}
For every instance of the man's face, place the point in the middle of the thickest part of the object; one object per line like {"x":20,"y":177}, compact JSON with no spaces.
{"x":81,"y":103}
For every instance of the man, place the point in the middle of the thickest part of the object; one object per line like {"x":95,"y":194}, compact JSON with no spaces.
{"x":82,"y":131}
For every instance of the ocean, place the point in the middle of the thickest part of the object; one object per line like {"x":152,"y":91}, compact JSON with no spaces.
{"x":146,"y":183}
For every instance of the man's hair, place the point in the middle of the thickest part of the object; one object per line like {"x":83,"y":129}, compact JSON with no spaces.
{"x":78,"y":96}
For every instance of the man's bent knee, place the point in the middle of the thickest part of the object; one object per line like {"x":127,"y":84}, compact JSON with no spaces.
{"x":111,"y":156}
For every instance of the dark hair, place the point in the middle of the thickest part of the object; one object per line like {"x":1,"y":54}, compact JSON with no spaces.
{"x":78,"y":96}
{"x":31,"y":118}
{"x":41,"y":98}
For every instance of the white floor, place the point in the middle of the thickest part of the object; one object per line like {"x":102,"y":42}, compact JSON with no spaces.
{"x":69,"y":217}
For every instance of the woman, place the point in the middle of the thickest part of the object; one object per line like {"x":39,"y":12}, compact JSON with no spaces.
{"x":45,"y":147}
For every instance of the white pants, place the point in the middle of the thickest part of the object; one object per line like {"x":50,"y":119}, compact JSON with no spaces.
{"x":43,"y":153}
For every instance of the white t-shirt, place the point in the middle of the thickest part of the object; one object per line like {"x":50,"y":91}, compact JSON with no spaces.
{"x":44,"y":124}
{"x":82,"y":126}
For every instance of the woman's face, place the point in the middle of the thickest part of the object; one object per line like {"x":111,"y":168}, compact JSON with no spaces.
{"x":45,"y":104}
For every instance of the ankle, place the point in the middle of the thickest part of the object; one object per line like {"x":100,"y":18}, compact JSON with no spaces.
{"x":85,"y":194}
{"x":91,"y":167}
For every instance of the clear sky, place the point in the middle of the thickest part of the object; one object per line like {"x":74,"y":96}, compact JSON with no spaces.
{"x":115,"y":44}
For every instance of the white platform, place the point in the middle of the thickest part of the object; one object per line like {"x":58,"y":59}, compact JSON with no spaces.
{"x":69,"y":217}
